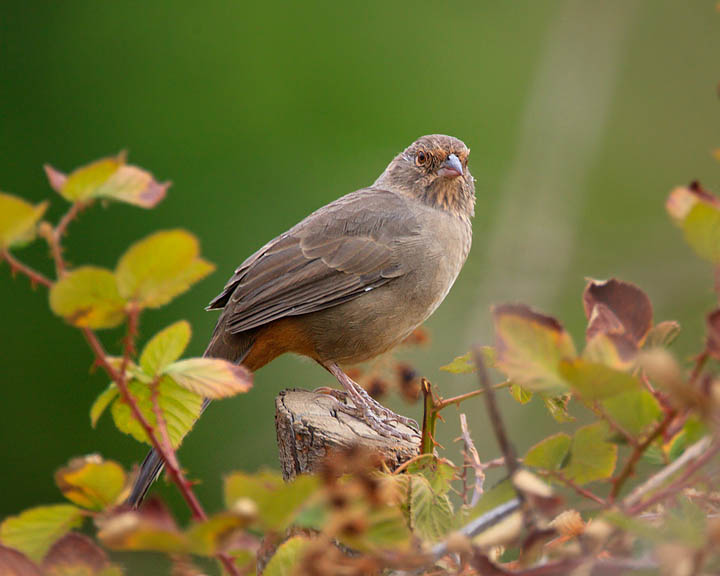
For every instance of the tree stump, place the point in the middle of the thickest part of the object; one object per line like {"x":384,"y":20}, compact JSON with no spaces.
{"x":309,"y":426}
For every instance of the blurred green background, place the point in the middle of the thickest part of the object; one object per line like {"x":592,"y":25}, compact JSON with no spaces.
{"x":581,"y":117}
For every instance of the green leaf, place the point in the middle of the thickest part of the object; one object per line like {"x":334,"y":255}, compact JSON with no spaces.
{"x":180,"y":408}
{"x":287,"y":557}
{"x":549,"y":454}
{"x":592,"y":457}
{"x":702,"y":231}
{"x":431,"y":513}
{"x":108,"y":178}
{"x":635,"y":410}
{"x":88,"y":297}
{"x":165,"y":347}
{"x":18,"y":220}
{"x":520,"y":394}
{"x":82,"y":183}
{"x":594,"y":381}
{"x":91,"y":482}
{"x":156,"y":269}
{"x":610,"y":350}
{"x":278,"y":502}
{"x":35,"y":530}
{"x":132,"y":185}
{"x":439,"y":472}
{"x":210,"y":537}
{"x":211,"y":377}
{"x":530,"y":347}
{"x":466,"y":365}
{"x":102,"y":402}
{"x":557,"y":406}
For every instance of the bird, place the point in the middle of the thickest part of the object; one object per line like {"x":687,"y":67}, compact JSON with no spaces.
{"x":351,"y":280}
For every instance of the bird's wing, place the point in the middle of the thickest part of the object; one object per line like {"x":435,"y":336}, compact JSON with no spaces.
{"x":336,"y":254}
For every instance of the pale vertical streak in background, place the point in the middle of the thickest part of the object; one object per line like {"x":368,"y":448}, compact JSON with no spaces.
{"x":531,"y":243}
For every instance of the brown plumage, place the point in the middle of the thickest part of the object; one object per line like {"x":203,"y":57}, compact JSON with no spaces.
{"x":355,"y":277}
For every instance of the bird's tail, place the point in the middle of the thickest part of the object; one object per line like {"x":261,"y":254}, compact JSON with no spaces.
{"x":234,"y":348}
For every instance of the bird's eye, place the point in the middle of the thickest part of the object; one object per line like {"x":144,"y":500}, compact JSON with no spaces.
{"x":421,"y":158}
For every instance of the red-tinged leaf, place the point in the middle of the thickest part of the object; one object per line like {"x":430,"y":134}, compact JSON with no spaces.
{"x":713,"y":333}
{"x":149,"y":528}
{"x":683,"y":199}
{"x":15,"y":563}
{"x":530,"y":347}
{"x":133,"y":185}
{"x":75,"y":554}
{"x":91,"y":482}
{"x":611,"y":350}
{"x":56,"y":179}
{"x":210,"y":377}
{"x":618,"y":308}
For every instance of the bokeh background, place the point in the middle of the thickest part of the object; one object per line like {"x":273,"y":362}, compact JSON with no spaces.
{"x":581,"y":116}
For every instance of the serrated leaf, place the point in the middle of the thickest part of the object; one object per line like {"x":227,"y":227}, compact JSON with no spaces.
{"x":439,"y":472}
{"x":77,"y":555}
{"x":158,"y":268}
{"x":34,"y":531}
{"x":278,"y":502}
{"x":592,"y":457}
{"x":557,"y":406}
{"x":530,"y":347}
{"x":18,"y":220}
{"x":148,"y":528}
{"x":15,"y":563}
{"x":88,"y":297}
{"x":662,"y":334}
{"x":520,"y":394}
{"x":180,"y":408}
{"x":594,"y":381}
{"x":549,"y":454}
{"x":165,"y":347}
{"x":431,"y":513}
{"x":287,"y":557}
{"x":465,"y":364}
{"x":635,"y":410}
{"x":211,"y":377}
{"x":102,"y":402}
{"x":91,"y":482}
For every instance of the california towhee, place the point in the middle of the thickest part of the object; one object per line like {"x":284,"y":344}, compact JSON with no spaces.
{"x":353,"y":279}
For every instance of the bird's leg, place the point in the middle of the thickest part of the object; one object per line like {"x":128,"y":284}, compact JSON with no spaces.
{"x":375,"y":415}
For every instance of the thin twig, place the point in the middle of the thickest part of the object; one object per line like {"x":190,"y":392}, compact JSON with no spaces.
{"x":585,"y":493}
{"x":690,"y":461}
{"x":36,"y":278}
{"x":629,"y":468}
{"x":472,"y":458}
{"x":54,"y":236}
{"x":498,"y":427}
{"x":444,"y":403}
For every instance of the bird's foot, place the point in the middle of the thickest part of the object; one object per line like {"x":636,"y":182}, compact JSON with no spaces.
{"x":366,"y":408}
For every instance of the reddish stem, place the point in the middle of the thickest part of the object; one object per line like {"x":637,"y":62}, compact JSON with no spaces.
{"x":17,"y":266}
{"x":629,"y":468}
{"x":579,"y":489}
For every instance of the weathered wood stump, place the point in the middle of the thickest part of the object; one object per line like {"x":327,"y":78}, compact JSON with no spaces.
{"x":309,"y":426}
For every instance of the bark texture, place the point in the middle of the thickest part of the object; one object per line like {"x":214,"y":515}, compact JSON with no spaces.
{"x":309,"y":427}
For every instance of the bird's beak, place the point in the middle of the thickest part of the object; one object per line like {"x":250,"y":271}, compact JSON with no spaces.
{"x":451,"y":168}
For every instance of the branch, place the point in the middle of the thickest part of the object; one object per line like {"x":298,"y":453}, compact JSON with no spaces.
{"x":498,"y":427}
{"x":444,"y":403}
{"x":639,"y":449}
{"x":694,"y":458}
{"x":472,"y":459}
{"x":54,"y":236}
{"x":579,"y":489}
{"x":36,"y":278}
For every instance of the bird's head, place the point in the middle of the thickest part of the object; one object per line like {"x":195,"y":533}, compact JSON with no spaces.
{"x":434,"y":169}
